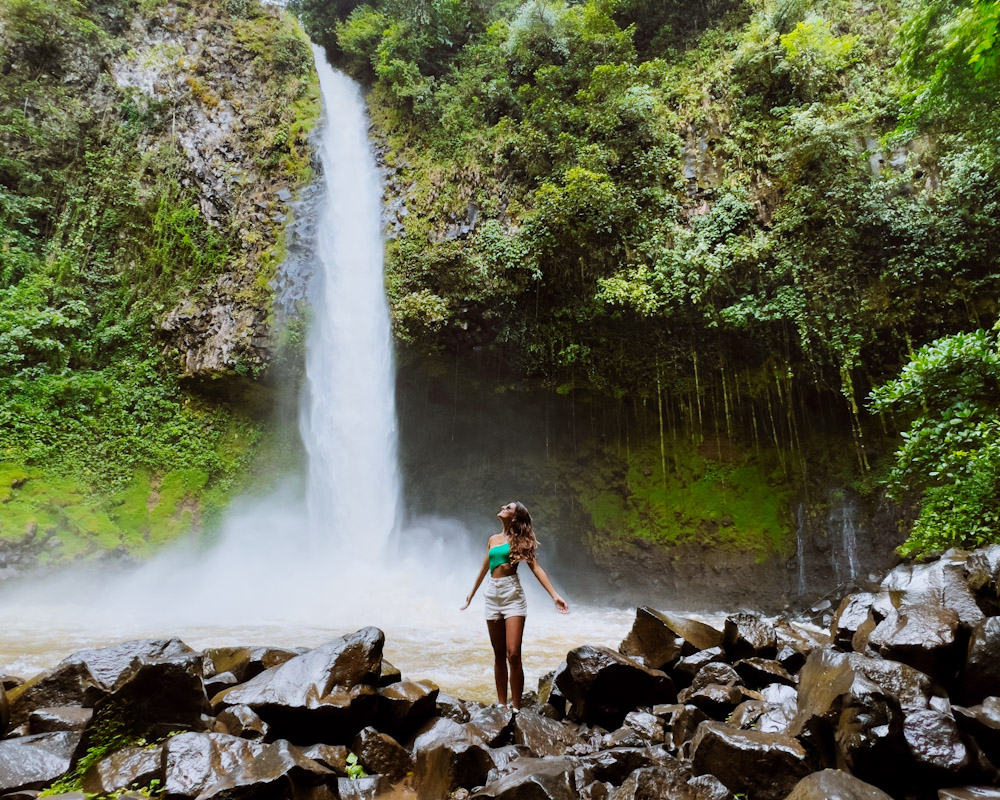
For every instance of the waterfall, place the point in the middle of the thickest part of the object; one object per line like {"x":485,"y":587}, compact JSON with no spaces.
{"x":800,"y":547}
{"x":348,"y":415}
{"x":842,"y":532}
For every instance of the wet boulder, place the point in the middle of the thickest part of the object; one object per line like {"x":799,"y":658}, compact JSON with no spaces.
{"x":615,"y":764}
{"x":331,"y":756}
{"x":756,"y":673}
{"x":981,"y":675}
{"x":795,"y":643}
{"x":158,"y":697}
{"x":649,"y":726}
{"x":493,"y":725}
{"x":654,"y":783}
{"x":853,"y":611}
{"x":748,"y":636}
{"x":246,"y":662}
{"x":403,"y":706}
{"x":33,"y":762}
{"x":130,"y":767}
{"x":452,"y":707}
{"x":717,"y":673}
{"x":681,"y":722}
{"x":64,"y":718}
{"x":691,"y":665}
{"x":325,"y":695}
{"x":207,"y":765}
{"x":389,"y":674}
{"x":982,"y":571}
{"x":869,"y":737}
{"x":833,"y":784}
{"x":924,"y":637}
{"x":448,"y":757}
{"x":773,"y":713}
{"x":218,"y":683}
{"x":941,"y":584}
{"x":4,"y":712}
{"x":549,"y":694}
{"x":982,"y":723}
{"x":651,"y":641}
{"x":85,"y":677}
{"x":765,"y":766}
{"x":936,"y":744}
{"x":603,"y":686}
{"x":243,"y":722}
{"x":541,"y":736}
{"x":969,"y":793}
{"x":535,"y":779}
{"x":380,"y":754}
{"x":716,"y":700}
{"x":708,"y":787}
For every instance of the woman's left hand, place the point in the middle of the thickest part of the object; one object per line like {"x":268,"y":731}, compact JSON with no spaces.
{"x":561,"y":605}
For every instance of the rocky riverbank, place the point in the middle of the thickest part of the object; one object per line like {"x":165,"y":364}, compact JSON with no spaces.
{"x":901,"y":698}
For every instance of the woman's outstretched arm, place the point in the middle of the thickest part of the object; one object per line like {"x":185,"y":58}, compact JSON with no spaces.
{"x":479,"y":579}
{"x":561,"y":605}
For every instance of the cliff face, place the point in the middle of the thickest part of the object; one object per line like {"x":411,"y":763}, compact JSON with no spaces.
{"x":152,"y":158}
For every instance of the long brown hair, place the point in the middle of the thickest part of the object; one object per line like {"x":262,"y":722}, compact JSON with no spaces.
{"x":521,"y":535}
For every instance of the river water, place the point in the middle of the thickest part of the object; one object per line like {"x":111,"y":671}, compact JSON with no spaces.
{"x":298,"y":568}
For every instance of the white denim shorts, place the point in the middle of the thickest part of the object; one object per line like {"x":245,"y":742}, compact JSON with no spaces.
{"x":505,"y":598}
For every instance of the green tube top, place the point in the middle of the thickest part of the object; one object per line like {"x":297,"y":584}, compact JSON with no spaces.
{"x":499,"y":555}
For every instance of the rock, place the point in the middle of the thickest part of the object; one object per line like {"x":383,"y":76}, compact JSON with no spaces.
{"x":379,"y":753}
{"x":374,"y":786}
{"x":403,"y":706}
{"x":982,"y":570}
{"x":708,"y":787}
{"x":647,"y":725}
{"x":4,"y":712}
{"x":130,"y":767}
{"x":850,"y":615}
{"x":654,"y":783}
{"x":941,"y":584}
{"x":935,"y":743}
{"x":760,"y":672}
{"x":970,"y":793}
{"x":333,"y":757}
{"x":542,"y":736}
{"x":447,"y":757}
{"x":765,"y":766}
{"x":157,"y":698}
{"x":243,"y":722}
{"x":247,"y":662}
{"x":33,"y":762}
{"x":389,"y":674}
{"x":774,"y":713}
{"x":717,"y":673}
{"x":451,"y":708}
{"x":207,"y":765}
{"x":616,"y":764}
{"x":799,"y":638}
{"x":534,"y":779}
{"x":983,"y":723}
{"x":681,"y":723}
{"x":692,"y":664}
{"x":716,"y":700}
{"x":924,"y":637}
{"x":789,"y":658}
{"x":64,"y":718}
{"x":218,"y":683}
{"x":747,"y":636}
{"x":549,"y":694}
{"x":85,"y":677}
{"x":651,"y":640}
{"x":493,"y":725}
{"x":832,"y":784}
{"x":981,"y":676}
{"x":869,"y":737}
{"x":603,"y":686}
{"x":325,"y":695}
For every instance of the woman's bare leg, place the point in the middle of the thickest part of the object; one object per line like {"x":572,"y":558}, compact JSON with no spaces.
{"x":499,"y":641}
{"x":515,"y":632}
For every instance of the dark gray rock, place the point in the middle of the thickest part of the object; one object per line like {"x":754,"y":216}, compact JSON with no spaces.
{"x":747,"y":636}
{"x":448,"y":757}
{"x":4,"y":712}
{"x":773,"y":713}
{"x":936,"y":743}
{"x":716,"y":700}
{"x":718,"y":673}
{"x":681,"y":723}
{"x":981,"y":676}
{"x":982,"y":722}
{"x":765,"y":766}
{"x":368,"y":788}
{"x":85,"y":677}
{"x":691,"y":665}
{"x":325,"y":695}
{"x":541,"y":736}
{"x":389,"y":674}
{"x":757,"y":673}
{"x":924,"y":637}
{"x":708,"y":787}
{"x":218,"y":683}
{"x":982,"y":570}
{"x":63,"y":718}
{"x":246,"y":662}
{"x":493,"y":725}
{"x":331,"y":756}
{"x":655,"y":783}
{"x":452,"y":708}
{"x":603,"y":686}
{"x":647,"y":725}
{"x":535,"y":779}
{"x":243,"y":722}
{"x":207,"y":765}
{"x":616,"y":764}
{"x":651,"y":640}
{"x":380,"y":754}
{"x":833,"y":784}
{"x":33,"y":762}
{"x":130,"y":767}
{"x":853,"y":611}
{"x":942,"y":584}
{"x":969,"y":793}
{"x":403,"y":706}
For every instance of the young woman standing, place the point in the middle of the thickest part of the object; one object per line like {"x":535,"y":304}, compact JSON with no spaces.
{"x":506,"y":607}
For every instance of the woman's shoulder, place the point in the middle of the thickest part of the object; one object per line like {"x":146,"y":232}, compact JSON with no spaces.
{"x":496,"y":539}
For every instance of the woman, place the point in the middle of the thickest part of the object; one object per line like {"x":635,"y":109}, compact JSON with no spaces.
{"x":505,"y":603}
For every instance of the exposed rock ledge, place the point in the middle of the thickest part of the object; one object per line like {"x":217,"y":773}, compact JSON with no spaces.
{"x":900,"y":699}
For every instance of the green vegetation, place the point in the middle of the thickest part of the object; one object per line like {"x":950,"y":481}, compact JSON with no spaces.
{"x":102,"y":232}
{"x":749,"y":212}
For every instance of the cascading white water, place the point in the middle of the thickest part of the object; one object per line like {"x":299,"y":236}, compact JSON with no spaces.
{"x":348,"y":418}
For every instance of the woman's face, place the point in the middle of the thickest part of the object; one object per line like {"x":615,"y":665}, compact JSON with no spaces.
{"x":506,"y":514}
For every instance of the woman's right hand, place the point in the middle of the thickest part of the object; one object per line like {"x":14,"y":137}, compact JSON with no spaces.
{"x":467,"y":601}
